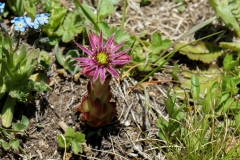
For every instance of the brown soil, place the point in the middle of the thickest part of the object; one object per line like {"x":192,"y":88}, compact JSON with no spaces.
{"x":133,"y":133}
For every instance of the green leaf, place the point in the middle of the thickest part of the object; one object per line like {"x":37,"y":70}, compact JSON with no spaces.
{"x":30,"y":8}
{"x":235,"y":46}
{"x":61,"y":143}
{"x":5,"y":146}
{"x":83,"y":9}
{"x":79,"y":137}
{"x":157,"y":44}
{"x":56,"y":18}
{"x":59,"y":55}
{"x":121,"y":36}
{"x":70,"y":27}
{"x":67,"y":36}
{"x":19,"y":126}
{"x":45,"y":60}
{"x":14,"y":143}
{"x":7,"y":111}
{"x":70,"y":133}
{"x":102,"y":11}
{"x":76,"y":148}
{"x":206,"y":79}
{"x":229,"y":12}
{"x":103,"y":26}
{"x":237,"y":121}
{"x":229,"y":63}
{"x":25,"y":120}
{"x":202,"y":51}
{"x":195,"y":87}
{"x":170,"y":104}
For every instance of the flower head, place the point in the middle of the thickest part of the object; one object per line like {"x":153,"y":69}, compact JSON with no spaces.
{"x":19,"y":24}
{"x":28,"y":21}
{"x":102,"y":58}
{"x":1,"y":7}
{"x":42,"y":18}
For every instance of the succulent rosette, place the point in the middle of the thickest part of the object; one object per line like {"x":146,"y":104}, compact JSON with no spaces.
{"x":96,"y":108}
{"x":100,"y":65}
{"x":102,"y":58}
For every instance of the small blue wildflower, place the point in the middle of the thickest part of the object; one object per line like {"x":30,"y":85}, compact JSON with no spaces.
{"x":19,"y":24}
{"x":15,"y":19}
{"x":42,"y":18}
{"x":28,"y":21}
{"x":1,"y":7}
{"x":35,"y":24}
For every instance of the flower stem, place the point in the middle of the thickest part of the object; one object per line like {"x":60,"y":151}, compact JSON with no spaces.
{"x":37,"y":40}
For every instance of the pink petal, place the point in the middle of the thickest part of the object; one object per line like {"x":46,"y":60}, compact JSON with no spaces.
{"x":93,"y":39}
{"x":96,"y":73}
{"x":109,"y":42}
{"x":100,"y":42}
{"x":88,"y":68}
{"x":119,"y":62}
{"x":84,"y":59}
{"x":89,"y":52}
{"x":102,"y":74}
{"x":117,"y":47}
{"x":119,"y":53}
{"x":89,"y":73}
{"x":112,"y":71}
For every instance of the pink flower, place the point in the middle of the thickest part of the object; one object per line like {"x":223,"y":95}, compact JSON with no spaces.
{"x":102,"y":58}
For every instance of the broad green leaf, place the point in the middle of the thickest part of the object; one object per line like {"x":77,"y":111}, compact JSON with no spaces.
{"x":14,"y":143}
{"x":70,"y":133}
{"x":89,"y":15}
{"x":72,"y":53}
{"x":56,"y":18}
{"x":229,"y":12}
{"x":45,"y":60}
{"x":103,"y":26}
{"x":76,"y":147}
{"x":106,"y":8}
{"x":202,"y":51}
{"x":25,"y":120}
{"x":7,"y":111}
{"x":19,"y":126}
{"x":79,"y":137}
{"x":30,"y":8}
{"x":67,"y":36}
{"x":211,"y":98}
{"x":61,"y":143}
{"x":121,"y":36}
{"x":229,"y":63}
{"x":71,"y":26}
{"x":59,"y":55}
{"x":157,"y":44}
{"x":235,"y":46}
{"x":5,"y":146}
{"x":206,"y":80}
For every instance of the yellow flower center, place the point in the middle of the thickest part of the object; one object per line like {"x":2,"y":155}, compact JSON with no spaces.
{"x":19,"y":24}
{"x":101,"y":58}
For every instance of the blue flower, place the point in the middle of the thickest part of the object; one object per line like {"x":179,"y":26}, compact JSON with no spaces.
{"x":31,"y":24}
{"x":19,"y":24}
{"x":1,"y":7}
{"x":35,"y":24}
{"x":42,"y":18}
{"x":28,"y":21}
